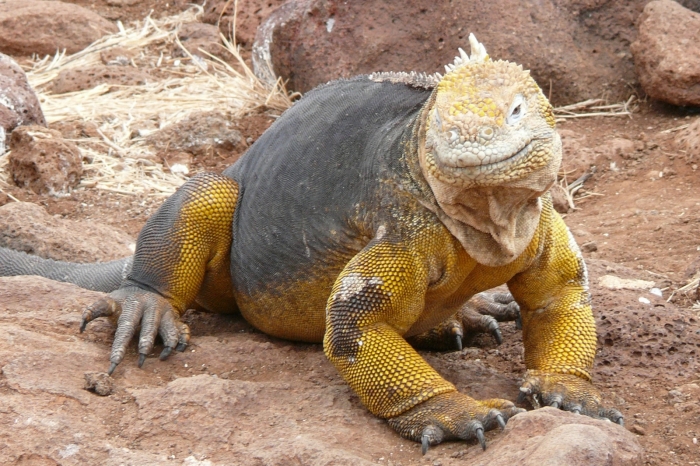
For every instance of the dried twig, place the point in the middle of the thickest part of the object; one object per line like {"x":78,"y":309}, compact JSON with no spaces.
{"x":673,"y":130}
{"x":595,"y":107}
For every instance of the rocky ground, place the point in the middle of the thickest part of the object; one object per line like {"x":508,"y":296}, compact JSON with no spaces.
{"x":237,"y":396}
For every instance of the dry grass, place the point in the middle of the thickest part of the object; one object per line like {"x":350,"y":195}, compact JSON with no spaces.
{"x":120,"y":161}
{"x":689,"y":291}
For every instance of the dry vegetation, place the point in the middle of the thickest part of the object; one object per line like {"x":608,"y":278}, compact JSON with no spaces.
{"x":120,"y":161}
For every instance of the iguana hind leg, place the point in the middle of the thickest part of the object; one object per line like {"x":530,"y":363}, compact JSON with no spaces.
{"x":480,"y":314}
{"x":182,"y":256}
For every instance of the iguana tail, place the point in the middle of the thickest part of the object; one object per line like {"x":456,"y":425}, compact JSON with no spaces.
{"x":100,"y":276}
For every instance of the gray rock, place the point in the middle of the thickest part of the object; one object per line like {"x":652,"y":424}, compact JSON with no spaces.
{"x":248,"y":14}
{"x":199,"y":134}
{"x":78,"y":79}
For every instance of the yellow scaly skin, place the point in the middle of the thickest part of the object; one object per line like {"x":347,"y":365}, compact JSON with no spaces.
{"x":483,"y":155}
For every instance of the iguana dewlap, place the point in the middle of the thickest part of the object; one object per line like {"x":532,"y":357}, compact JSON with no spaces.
{"x":370,"y":212}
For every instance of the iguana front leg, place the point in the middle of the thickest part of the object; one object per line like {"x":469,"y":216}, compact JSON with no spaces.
{"x":182,"y":256}
{"x":559,"y":332}
{"x":376,"y":299}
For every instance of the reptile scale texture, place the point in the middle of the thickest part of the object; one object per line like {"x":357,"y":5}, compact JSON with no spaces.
{"x":372,"y":216}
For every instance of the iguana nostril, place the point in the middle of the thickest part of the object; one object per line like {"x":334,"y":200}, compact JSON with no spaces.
{"x":454,"y":134}
{"x":487,"y":133}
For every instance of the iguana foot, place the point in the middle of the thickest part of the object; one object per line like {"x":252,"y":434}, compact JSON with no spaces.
{"x":132,"y":307}
{"x":484,"y":310}
{"x":567,"y":392}
{"x":446,"y":336}
{"x":452,"y":415}
{"x":481,"y":314}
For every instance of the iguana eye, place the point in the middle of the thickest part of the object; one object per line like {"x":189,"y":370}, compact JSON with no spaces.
{"x":517,"y":110}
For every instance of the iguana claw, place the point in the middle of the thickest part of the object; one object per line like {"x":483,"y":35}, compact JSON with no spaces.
{"x":614,"y":416}
{"x":480,"y":436}
{"x":432,"y":435}
{"x":501,"y":421}
{"x":133,"y":307}
{"x":165,"y":353}
{"x":479,"y":315}
{"x":458,"y":342}
{"x":483,"y":312}
{"x":425,"y":441}
{"x":556,"y":401}
{"x":453,"y":415}
{"x":104,"y":307}
{"x":497,"y":335}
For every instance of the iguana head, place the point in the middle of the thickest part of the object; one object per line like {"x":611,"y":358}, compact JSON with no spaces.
{"x":490,"y":151}
{"x":489,"y":124}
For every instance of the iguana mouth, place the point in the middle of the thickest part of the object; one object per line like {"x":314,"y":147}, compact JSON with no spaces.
{"x":473,"y":162}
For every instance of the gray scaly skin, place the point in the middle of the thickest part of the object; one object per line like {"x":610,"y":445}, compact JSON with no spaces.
{"x":105,"y":277}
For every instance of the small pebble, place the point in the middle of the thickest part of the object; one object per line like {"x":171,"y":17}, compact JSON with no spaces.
{"x":99,"y":382}
{"x":590,"y":246}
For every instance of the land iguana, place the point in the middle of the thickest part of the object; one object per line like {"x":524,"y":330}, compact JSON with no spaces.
{"x":365,"y":218}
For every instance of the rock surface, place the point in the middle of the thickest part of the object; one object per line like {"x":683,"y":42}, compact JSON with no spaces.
{"x":199,"y":39}
{"x":200,"y":134}
{"x":550,"y":437}
{"x":575,"y":49}
{"x":43,"y":161}
{"x":78,"y":79}
{"x":666,"y":53}
{"x":250,"y":14}
{"x":28,"y":227}
{"x":19,"y":104}
{"x":234,"y":397}
{"x":45,"y":27}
